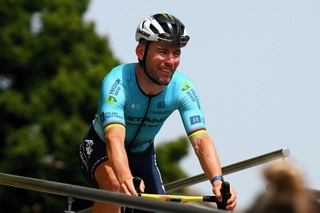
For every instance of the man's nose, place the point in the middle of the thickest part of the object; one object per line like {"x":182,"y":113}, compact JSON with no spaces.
{"x":169,"y":59}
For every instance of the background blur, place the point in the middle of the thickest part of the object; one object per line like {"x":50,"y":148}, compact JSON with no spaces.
{"x":255,"y":65}
{"x":52,"y":63}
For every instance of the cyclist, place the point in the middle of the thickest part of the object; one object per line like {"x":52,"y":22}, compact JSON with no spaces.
{"x":135,"y":100}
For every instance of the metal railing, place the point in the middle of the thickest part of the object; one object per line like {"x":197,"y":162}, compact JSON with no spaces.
{"x":99,"y":195}
{"x":131,"y":201}
{"x":282,"y":153}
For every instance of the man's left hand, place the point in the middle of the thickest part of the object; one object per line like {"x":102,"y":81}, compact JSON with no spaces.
{"x":232,"y":202}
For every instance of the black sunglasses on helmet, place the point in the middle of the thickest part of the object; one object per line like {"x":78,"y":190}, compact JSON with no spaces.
{"x":170,"y":40}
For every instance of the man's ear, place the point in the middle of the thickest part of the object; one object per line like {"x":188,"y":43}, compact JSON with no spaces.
{"x":140,"y":51}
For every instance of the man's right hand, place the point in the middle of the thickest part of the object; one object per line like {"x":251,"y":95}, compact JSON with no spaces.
{"x":127,"y":187}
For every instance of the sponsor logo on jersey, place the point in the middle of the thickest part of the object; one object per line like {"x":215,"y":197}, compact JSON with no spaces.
{"x":111,"y":100}
{"x":143,"y":33}
{"x":192,"y":94}
{"x":148,"y":122}
{"x":102,"y":117}
{"x":135,"y":106}
{"x":114,"y":87}
{"x":195,"y":119}
{"x":160,"y":112}
{"x":161,"y":104}
{"x":108,"y":115}
{"x":185,"y":86}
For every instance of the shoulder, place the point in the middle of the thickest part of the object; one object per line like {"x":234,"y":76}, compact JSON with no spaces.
{"x":181,"y":82}
{"x":121,"y":73}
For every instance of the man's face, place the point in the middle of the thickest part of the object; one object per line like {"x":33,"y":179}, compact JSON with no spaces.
{"x":162,"y":61}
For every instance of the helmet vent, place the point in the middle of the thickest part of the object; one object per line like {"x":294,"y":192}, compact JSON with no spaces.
{"x":175,"y":29}
{"x":165,"y":28}
{"x":154,"y":29}
{"x":182,"y":30}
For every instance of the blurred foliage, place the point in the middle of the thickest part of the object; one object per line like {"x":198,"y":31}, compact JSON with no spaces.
{"x":51,"y":67}
{"x":52,"y":64}
{"x":168,"y":158}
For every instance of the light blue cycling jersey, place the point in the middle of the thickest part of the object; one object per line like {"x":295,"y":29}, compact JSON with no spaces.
{"x":122,"y":103}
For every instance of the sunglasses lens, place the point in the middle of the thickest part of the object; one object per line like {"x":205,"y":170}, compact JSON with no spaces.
{"x":184,"y":40}
{"x":171,"y":40}
{"x":166,"y":39}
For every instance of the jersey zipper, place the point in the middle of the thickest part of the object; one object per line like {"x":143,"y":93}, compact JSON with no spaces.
{"x":144,"y":118}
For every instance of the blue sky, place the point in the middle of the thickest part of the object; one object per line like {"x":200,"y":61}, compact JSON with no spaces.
{"x":257,"y":70}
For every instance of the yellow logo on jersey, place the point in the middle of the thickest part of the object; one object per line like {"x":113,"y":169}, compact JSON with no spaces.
{"x":185,"y":86}
{"x":111,"y":100}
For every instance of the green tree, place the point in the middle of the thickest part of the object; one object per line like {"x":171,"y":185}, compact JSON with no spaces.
{"x":51,"y":67}
{"x":168,"y":158}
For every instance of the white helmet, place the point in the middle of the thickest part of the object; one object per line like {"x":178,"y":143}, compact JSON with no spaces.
{"x":163,"y":27}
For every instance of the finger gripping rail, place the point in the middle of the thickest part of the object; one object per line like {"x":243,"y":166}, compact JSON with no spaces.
{"x":225,"y":191}
{"x":136,"y":182}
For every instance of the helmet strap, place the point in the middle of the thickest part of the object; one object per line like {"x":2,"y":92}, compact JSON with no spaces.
{"x":143,"y":65}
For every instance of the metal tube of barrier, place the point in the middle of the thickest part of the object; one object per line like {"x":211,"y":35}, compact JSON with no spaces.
{"x":285,"y":152}
{"x":282,"y":153}
{"x":99,"y":195}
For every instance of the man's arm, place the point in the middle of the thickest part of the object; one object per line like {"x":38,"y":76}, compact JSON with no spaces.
{"x":119,"y":161}
{"x":208,"y":157}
